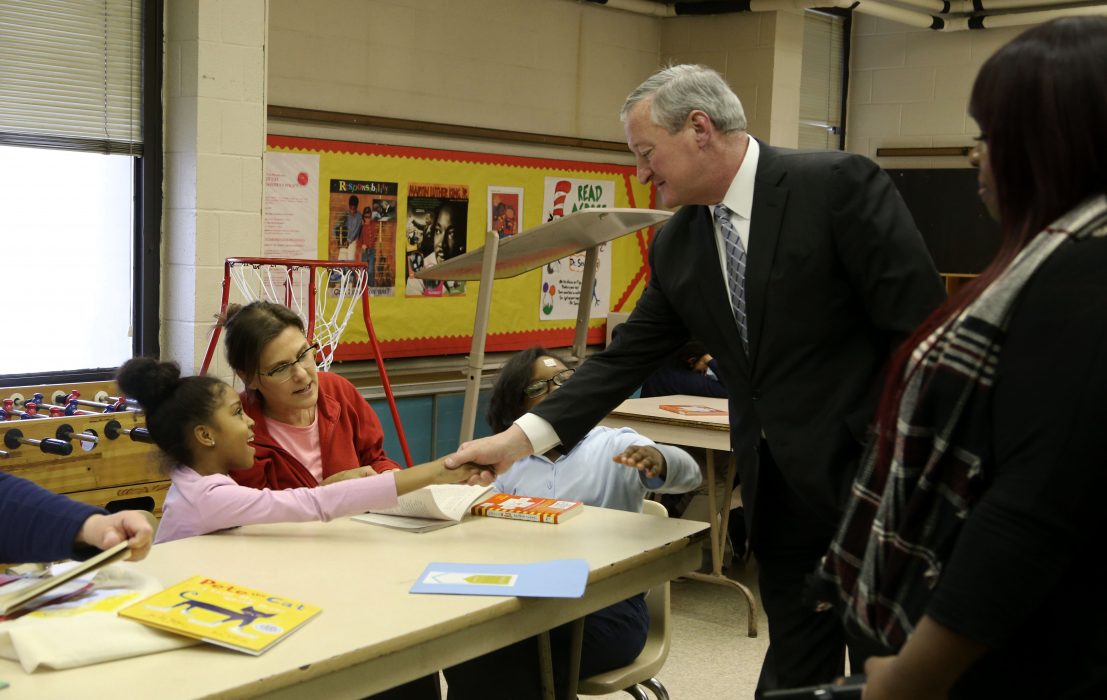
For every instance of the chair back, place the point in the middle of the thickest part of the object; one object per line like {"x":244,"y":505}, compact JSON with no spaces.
{"x":656,"y":650}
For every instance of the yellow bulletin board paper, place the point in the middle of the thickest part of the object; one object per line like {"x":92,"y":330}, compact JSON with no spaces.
{"x":389,"y":180}
{"x":222,"y":613}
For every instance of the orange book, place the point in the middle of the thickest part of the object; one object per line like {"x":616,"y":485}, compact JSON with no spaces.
{"x":691,"y":410}
{"x":542,"y":510}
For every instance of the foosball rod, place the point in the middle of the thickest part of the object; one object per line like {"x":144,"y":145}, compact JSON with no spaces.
{"x":9,"y":412}
{"x":121,"y":404}
{"x":66,"y":432}
{"x":70,"y":409}
{"x":113,"y":429}
{"x":13,"y":439}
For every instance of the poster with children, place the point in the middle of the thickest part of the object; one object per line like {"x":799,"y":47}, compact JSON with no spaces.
{"x":436,"y":230}
{"x":362,"y":228}
{"x":505,"y":210}
{"x":378,"y":240}
{"x":562,"y":279}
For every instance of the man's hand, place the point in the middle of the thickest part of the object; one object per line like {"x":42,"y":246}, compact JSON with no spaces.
{"x":499,"y":451}
{"x":645,"y":459}
{"x":106,"y":531}
{"x":355,"y":473}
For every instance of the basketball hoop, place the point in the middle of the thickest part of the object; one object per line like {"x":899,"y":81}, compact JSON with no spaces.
{"x":296,"y":286}
{"x":322,"y":293}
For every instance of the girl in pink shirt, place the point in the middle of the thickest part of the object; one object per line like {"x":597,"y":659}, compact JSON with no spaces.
{"x":198,"y":422}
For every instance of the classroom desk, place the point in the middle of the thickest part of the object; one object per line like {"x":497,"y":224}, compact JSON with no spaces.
{"x":710,"y":432}
{"x":372,"y":634}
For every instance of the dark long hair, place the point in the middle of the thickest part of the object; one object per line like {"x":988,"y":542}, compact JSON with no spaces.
{"x":248,"y":329}
{"x":173,"y":405}
{"x":507,"y":401}
{"x":1041,"y":104}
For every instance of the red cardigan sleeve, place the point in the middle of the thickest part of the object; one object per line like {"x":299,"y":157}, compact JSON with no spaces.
{"x":357,"y":422}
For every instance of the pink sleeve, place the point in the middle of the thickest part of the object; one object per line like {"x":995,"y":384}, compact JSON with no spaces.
{"x":225,"y":504}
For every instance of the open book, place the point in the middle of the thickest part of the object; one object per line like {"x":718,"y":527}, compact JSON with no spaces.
{"x":21,"y":593}
{"x":428,"y":508}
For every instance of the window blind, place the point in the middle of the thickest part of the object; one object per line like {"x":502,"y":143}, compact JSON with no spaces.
{"x":70,"y":74}
{"x":821,"y":81}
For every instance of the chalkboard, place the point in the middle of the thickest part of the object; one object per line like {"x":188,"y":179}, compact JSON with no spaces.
{"x":961,"y":235}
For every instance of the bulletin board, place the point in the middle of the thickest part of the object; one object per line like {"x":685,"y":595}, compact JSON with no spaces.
{"x":397,"y":194}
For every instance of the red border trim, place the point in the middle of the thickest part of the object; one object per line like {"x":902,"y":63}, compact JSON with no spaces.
{"x":297,"y":143}
{"x":459,"y":345}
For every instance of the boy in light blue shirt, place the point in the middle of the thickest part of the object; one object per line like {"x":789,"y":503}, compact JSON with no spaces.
{"x":610,"y":468}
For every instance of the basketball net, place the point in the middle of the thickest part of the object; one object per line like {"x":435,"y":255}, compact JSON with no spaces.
{"x":297,"y":286}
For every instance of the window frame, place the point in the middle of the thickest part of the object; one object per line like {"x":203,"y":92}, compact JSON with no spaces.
{"x":846,"y":13}
{"x":148,"y":171}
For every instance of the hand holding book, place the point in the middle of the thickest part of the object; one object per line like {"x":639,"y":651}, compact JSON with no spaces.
{"x":134,"y":527}
{"x":24,"y":595}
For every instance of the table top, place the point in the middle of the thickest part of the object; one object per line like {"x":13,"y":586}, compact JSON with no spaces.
{"x":372,"y":634}
{"x":686,"y":429}
{"x":547,"y":242}
{"x":651,"y":410}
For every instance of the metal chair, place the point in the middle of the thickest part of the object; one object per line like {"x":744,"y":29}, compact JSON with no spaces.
{"x":642,"y":671}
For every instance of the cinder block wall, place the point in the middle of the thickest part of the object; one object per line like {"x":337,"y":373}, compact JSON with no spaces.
{"x":910,"y":88}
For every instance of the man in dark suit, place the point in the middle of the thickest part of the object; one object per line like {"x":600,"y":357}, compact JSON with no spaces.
{"x":800,"y":287}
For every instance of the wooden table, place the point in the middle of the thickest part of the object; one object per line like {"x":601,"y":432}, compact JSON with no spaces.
{"x":711,"y":432}
{"x":373,"y":634}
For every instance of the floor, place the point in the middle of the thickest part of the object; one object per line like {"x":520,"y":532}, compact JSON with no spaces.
{"x":710,"y":655}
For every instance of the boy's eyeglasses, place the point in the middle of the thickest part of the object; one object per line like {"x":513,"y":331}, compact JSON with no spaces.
{"x":306,"y":358}
{"x":540,"y":387}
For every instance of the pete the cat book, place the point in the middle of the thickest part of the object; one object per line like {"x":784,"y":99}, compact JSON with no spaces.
{"x":222,"y":613}
{"x":542,"y":510}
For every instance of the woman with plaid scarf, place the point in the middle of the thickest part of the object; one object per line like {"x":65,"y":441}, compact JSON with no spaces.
{"x":971,"y":545}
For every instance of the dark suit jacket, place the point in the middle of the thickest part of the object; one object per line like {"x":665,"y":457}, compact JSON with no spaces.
{"x":837,"y":274}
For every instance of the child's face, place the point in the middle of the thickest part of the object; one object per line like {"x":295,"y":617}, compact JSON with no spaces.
{"x":232,"y":432}
{"x":551,"y":374}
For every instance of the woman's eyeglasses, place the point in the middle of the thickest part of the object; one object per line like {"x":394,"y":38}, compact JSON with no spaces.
{"x":540,"y":387}
{"x":306,"y":358}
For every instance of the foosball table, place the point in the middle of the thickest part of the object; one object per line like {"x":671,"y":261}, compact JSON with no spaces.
{"x":84,"y":440}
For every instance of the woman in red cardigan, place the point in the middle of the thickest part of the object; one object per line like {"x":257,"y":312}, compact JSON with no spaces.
{"x":311,"y":427}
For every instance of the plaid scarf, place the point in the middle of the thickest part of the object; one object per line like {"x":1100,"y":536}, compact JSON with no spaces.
{"x":903,"y":517}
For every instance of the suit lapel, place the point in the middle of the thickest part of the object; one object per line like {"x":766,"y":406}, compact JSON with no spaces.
{"x":769,"y":198}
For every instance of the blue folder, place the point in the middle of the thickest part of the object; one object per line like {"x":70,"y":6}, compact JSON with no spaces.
{"x":560,"y":578}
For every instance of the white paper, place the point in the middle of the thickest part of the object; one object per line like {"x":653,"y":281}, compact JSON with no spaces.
{"x":437,"y":502}
{"x":290,"y":226}
{"x":400,"y":522}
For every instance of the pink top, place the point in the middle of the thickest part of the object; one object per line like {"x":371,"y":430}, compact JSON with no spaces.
{"x":196,"y":505}
{"x":302,"y":442}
